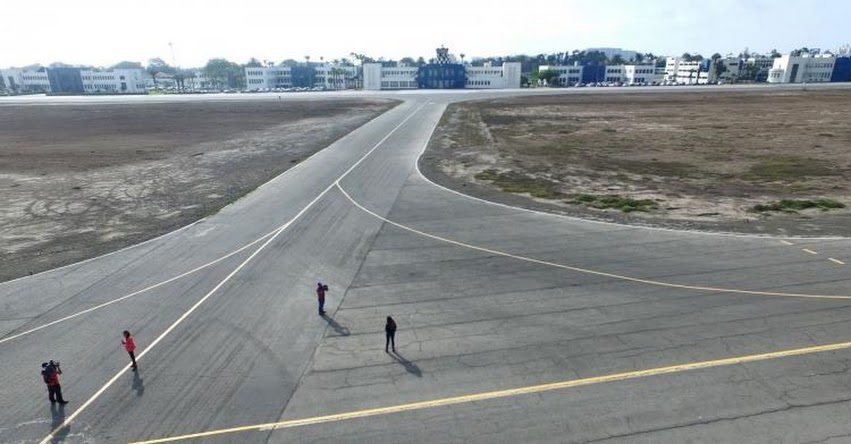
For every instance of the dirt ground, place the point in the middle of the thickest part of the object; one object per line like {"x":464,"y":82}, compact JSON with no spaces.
{"x":82,"y":180}
{"x":720,"y":161}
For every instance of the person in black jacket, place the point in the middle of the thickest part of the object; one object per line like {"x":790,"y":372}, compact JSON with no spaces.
{"x":321,"y":289}
{"x":390,"y":333}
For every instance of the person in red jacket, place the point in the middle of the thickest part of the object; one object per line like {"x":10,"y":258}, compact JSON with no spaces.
{"x":50,"y":372}
{"x":130,"y":346}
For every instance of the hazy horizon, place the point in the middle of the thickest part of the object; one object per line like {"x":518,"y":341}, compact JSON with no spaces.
{"x":96,"y":33}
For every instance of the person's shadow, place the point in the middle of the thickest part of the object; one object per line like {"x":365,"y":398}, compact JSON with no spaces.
{"x":138,"y":385}
{"x":340,"y":329}
{"x":57,"y":413}
{"x":410,"y":367}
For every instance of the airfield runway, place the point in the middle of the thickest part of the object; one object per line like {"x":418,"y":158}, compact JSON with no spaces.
{"x":514,"y":326}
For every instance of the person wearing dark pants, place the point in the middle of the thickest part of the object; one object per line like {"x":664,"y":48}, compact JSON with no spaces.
{"x":321,"y":289}
{"x":130,"y":345}
{"x":390,"y":334}
{"x":51,"y":371}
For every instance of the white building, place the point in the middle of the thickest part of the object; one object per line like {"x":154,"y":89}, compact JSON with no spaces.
{"x":639,"y":75}
{"x":125,"y":81}
{"x":118,"y":81}
{"x":802,"y":69}
{"x":506,"y":76}
{"x":20,"y":80}
{"x":377,"y":77}
{"x":326,"y":76}
{"x":681,"y":72}
{"x":569,"y":75}
{"x":614,"y":74}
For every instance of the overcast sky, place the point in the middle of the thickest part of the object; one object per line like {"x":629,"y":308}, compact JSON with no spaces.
{"x":103,"y":32}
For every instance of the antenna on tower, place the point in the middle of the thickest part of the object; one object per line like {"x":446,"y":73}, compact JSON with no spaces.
{"x":173,"y":60}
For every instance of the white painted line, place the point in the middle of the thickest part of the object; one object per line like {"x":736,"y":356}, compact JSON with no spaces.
{"x":233,"y":273}
{"x":807,"y":250}
{"x":138,"y":292}
{"x":785,"y":242}
{"x":586,"y":270}
{"x":837,"y":261}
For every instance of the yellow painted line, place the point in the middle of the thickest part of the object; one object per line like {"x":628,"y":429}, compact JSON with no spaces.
{"x":807,"y":250}
{"x":589,"y":271}
{"x":836,"y":261}
{"x":786,"y":242}
{"x":477,"y":397}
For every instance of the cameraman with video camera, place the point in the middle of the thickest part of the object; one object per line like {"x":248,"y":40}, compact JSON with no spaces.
{"x":321,"y":289}
{"x":50,"y":372}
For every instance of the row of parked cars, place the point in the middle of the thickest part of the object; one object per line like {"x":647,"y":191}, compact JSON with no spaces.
{"x":294,"y":89}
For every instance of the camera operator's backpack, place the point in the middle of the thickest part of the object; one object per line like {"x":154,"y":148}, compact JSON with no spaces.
{"x":47,"y":374}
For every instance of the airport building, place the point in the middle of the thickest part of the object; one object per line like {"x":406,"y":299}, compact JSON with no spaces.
{"x":312,"y":75}
{"x":806,"y":68}
{"x":75,"y":81}
{"x":444,"y":73}
{"x":605,"y":74}
{"x":679,"y":71}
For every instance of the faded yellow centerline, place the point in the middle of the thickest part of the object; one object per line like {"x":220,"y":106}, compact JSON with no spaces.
{"x":837,"y":261}
{"x":443,"y":402}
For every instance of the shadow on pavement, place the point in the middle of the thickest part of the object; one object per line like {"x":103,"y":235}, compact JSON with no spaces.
{"x":57,"y":412}
{"x":340,"y":329}
{"x":410,"y":367}
{"x":138,"y":385}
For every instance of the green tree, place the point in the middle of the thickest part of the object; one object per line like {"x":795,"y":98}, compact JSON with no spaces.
{"x":253,"y":63}
{"x":617,"y":60}
{"x":720,"y":67}
{"x":223,"y":73}
{"x":548,"y":75}
{"x":157,"y":65}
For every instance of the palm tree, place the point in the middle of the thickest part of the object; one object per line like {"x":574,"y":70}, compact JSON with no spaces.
{"x":462,"y":58}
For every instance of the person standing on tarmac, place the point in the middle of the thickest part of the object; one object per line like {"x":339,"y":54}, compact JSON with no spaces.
{"x":321,"y":289}
{"x":130,"y":345}
{"x":50,"y":371}
{"x":390,"y":334}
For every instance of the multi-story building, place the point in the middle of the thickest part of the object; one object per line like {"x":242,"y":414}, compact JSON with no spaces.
{"x":75,"y":81}
{"x":492,"y":77}
{"x":568,"y":75}
{"x":377,"y":77}
{"x":18,"y":80}
{"x":123,"y":81}
{"x":441,"y":76}
{"x":608,"y":74}
{"x":639,"y":75}
{"x":679,"y":71}
{"x":311,"y":75}
{"x":805,"y":68}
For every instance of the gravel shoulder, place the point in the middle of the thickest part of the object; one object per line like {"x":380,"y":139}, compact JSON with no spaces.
{"x":704,"y":161}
